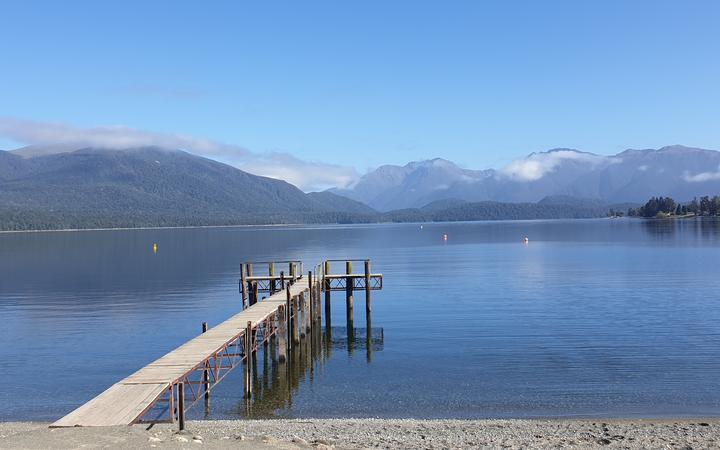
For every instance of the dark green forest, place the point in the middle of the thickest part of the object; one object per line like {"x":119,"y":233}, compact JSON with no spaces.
{"x":662,"y":207}
{"x":53,"y":219}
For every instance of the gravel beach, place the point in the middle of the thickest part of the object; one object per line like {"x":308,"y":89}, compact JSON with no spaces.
{"x":377,"y":433}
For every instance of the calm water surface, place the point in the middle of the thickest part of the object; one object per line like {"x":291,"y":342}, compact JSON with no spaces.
{"x":592,"y":318}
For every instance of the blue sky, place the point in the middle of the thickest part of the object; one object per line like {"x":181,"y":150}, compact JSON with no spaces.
{"x":367,"y":83}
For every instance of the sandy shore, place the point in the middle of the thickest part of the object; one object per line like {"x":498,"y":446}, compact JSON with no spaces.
{"x":377,"y":433}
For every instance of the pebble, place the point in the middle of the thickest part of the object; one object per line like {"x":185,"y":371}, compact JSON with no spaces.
{"x":181,"y":439}
{"x":154,"y":439}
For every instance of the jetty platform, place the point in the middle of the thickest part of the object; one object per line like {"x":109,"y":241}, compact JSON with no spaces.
{"x":164,"y":389}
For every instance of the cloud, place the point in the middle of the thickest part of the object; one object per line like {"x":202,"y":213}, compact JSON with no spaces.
{"x":702,"y":176}
{"x":306,"y":175}
{"x":537,"y":165}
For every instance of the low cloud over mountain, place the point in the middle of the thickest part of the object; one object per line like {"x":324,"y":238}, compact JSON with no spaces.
{"x":49,"y":138}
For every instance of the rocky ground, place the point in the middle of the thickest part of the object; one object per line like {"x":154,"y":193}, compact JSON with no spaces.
{"x":377,"y":433}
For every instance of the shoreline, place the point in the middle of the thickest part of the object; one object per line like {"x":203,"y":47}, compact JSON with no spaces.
{"x":377,"y":433}
{"x":300,"y":224}
{"x":73,"y":230}
{"x":281,"y":225}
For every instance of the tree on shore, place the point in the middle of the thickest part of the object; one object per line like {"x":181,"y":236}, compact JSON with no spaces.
{"x":666,"y":206}
{"x":655,"y":207}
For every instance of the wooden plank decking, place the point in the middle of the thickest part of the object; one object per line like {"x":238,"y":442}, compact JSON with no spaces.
{"x":126,"y":401}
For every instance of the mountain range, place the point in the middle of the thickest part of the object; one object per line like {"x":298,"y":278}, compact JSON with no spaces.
{"x":149,"y":186}
{"x":631,"y":176}
{"x":54,"y":187}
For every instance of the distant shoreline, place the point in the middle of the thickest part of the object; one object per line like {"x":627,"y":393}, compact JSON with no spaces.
{"x":72,"y":230}
{"x":281,"y":225}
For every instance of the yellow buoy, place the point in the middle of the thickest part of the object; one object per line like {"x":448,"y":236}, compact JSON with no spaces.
{"x":154,"y":248}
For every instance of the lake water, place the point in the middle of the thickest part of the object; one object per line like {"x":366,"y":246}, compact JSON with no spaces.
{"x":591,"y":318}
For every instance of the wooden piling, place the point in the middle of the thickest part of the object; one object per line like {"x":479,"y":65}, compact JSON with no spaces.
{"x":295,"y":322}
{"x":181,"y":405}
{"x":255,"y":292}
{"x":368,"y":337}
{"x":282,"y":333}
{"x":301,"y":306}
{"x":271,"y":273}
{"x":288,"y":309}
{"x":206,"y":375}
{"x":282,"y":279}
{"x":326,"y":288}
{"x":248,"y":359}
{"x":292,"y":271}
{"x":251,"y":290}
{"x":368,"y":306}
{"x":349,"y":282}
{"x":308,"y":308}
{"x":267,"y":331}
{"x":312,"y":298}
{"x":243,"y":286}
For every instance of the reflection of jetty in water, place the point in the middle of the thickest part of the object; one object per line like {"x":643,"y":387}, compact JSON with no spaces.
{"x":275,"y":383}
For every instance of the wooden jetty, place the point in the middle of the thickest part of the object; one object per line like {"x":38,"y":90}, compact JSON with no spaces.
{"x":163,"y":390}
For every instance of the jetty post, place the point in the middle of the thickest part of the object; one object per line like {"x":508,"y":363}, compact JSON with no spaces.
{"x":206,"y":374}
{"x":251,"y":289}
{"x":312,"y":299}
{"x":243,"y":286}
{"x":349,"y":284}
{"x":368,"y":298}
{"x":282,"y":333}
{"x":271,"y":274}
{"x":288,"y":312}
{"x":301,"y":311}
{"x":295,"y":321}
{"x":326,"y":282}
{"x":248,"y":359}
{"x":181,"y":405}
{"x":282,"y":279}
{"x":314,"y":295}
